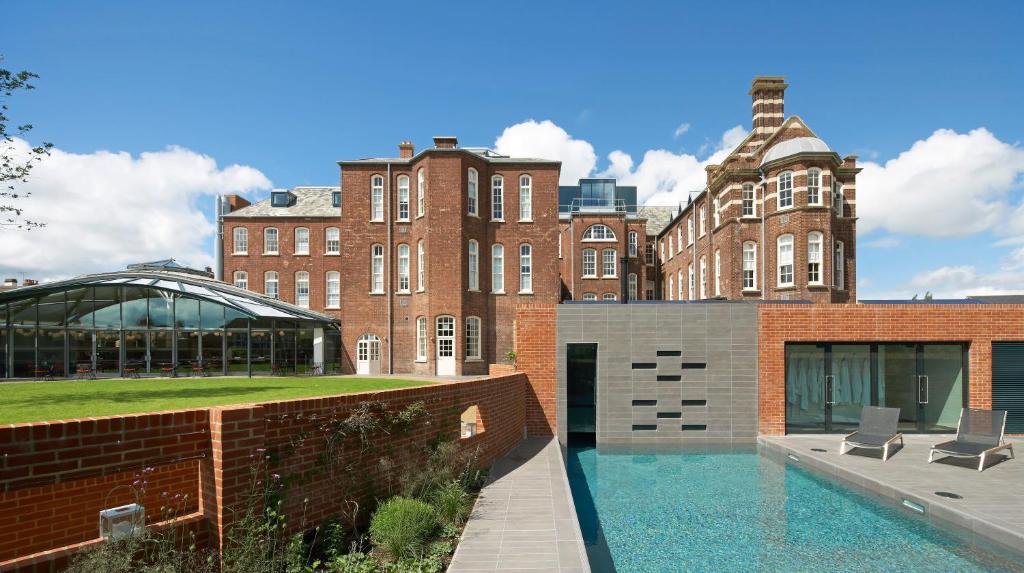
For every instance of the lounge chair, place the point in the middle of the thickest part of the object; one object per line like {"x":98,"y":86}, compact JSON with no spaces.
{"x":978,"y":434}
{"x":877,"y":431}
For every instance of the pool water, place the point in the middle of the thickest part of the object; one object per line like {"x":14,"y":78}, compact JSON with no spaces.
{"x":739,"y":511}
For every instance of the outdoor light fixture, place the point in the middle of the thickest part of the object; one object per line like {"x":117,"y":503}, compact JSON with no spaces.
{"x":123,"y":521}
{"x":913,"y":505}
{"x":468,"y":429}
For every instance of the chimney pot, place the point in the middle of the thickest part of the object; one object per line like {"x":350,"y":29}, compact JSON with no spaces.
{"x":768,"y":110}
{"x":406,"y":149}
{"x":446,"y":141}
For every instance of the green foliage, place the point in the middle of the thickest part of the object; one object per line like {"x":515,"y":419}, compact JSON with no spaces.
{"x":511,"y":356}
{"x":402,"y":526}
{"x":353,"y":563}
{"x":451,"y":503}
{"x":447,"y":462}
{"x":15,"y":167}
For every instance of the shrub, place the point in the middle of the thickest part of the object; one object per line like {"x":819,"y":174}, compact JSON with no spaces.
{"x":447,"y":461}
{"x":402,"y":526}
{"x":352,"y":563}
{"x":451,"y":503}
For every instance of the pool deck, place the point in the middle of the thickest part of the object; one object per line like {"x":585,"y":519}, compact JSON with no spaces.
{"x":524,"y":518}
{"x":993,"y":500}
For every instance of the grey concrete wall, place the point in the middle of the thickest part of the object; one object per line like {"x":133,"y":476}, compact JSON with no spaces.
{"x":722,"y":336}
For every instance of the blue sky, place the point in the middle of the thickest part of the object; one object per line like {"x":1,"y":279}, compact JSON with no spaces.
{"x":288,"y":90}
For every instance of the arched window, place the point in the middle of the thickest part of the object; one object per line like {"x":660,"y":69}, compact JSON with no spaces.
{"x":750,"y":265}
{"x":471,"y":192}
{"x":241,"y":279}
{"x":632,"y":286}
{"x":785,"y":258}
{"x":814,"y":242}
{"x":703,"y":220}
{"x":703,"y":277}
{"x":837,"y":197}
{"x":301,"y":241}
{"x":633,"y":243}
{"x":608,"y":296}
{"x":240,"y":242}
{"x":498,"y":269}
{"x":403,"y":268}
{"x":421,"y":266}
{"x":590,"y":262}
{"x":609,"y":260}
{"x":421,"y":192}
{"x":718,"y":273}
{"x":589,"y":296}
{"x":403,"y":197}
{"x":270,"y":241}
{"x":333,"y":289}
{"x":377,"y":198}
{"x":332,"y":238}
{"x":747,"y":200}
{"x":377,"y":269}
{"x":270,"y":284}
{"x":785,"y":189}
{"x":525,"y":268}
{"x":473,"y":338}
{"x":302,"y":289}
{"x":474,"y":265}
{"x":497,"y":198}
{"x":814,"y":187}
{"x":525,"y":198}
{"x":838,"y":266}
{"x":598,"y":233}
{"x":421,"y":339}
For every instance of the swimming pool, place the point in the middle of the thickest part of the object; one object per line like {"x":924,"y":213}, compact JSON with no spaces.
{"x":739,"y":511}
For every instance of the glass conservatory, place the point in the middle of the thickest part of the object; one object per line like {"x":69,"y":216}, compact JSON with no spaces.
{"x":151,"y":321}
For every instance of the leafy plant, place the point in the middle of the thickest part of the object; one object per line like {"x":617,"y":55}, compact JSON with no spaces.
{"x":402,"y":526}
{"x":451,"y":503}
{"x":511,"y":356}
{"x":447,"y":462}
{"x":14,"y":166}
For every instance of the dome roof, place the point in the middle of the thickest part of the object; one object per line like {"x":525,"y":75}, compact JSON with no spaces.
{"x":793,"y":147}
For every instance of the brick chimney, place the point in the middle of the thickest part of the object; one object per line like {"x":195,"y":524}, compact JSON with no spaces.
{"x":446,"y":141}
{"x":768,"y":111}
{"x":235,"y":202}
{"x":406,"y":149}
{"x":29,"y":282}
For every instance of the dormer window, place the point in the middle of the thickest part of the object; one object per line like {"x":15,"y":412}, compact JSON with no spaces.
{"x":336,"y":199}
{"x":280,"y":199}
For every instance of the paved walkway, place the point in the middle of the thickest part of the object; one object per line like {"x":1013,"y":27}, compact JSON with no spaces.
{"x":524,"y":519}
{"x":993,"y":500}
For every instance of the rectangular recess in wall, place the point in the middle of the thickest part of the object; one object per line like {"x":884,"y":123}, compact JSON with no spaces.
{"x":669,"y":378}
{"x":644,"y":366}
{"x":694,"y":427}
{"x":670,"y":353}
{"x":694,"y":365}
{"x":637,"y":427}
{"x":695,"y":402}
{"x":670,"y":415}
{"x":645,"y":402}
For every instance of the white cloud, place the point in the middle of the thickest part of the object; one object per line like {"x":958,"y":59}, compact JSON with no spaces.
{"x":683,"y":128}
{"x":948,"y":185}
{"x":104,"y":210}
{"x":545,"y":140}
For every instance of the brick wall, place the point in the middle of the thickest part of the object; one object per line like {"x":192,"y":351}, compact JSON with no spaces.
{"x":977,"y":325}
{"x":535,"y":356}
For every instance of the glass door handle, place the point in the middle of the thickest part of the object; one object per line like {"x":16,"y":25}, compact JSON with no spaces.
{"x":830,"y":389}
{"x":922,"y":389}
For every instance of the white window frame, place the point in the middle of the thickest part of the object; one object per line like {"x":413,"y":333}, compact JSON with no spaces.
{"x":837,"y":198}
{"x":749,"y":266}
{"x":377,"y":198}
{"x":748,"y":204}
{"x":240,"y":241}
{"x":473,"y":193}
{"x":498,"y":268}
{"x":332,"y":240}
{"x":302,"y":289}
{"x":784,"y":253}
{"x":784,"y":190}
{"x":525,"y":198}
{"x":590,"y":296}
{"x":691,"y":277}
{"x":609,"y":296}
{"x":421,"y":192}
{"x":403,"y":198}
{"x":589,"y":263}
{"x":403,"y":269}
{"x":421,"y":266}
{"x":716,"y":213}
{"x":526,"y":268}
{"x":473,"y":264}
{"x":609,"y":263}
{"x":703,"y":218}
{"x":421,"y":339}
{"x":497,"y":198}
{"x":672,"y":251}
{"x":332,"y":280}
{"x":271,"y":238}
{"x":689,"y":232}
{"x":682,"y":285}
{"x":634,"y":242}
{"x":272,"y":284}
{"x":649,"y":254}
{"x":703,"y":277}
{"x":679,"y":241}
{"x":301,"y":241}
{"x":838,"y":266}
{"x":474,"y":340}
{"x":815,"y":242}
{"x":377,"y":269}
{"x":241,"y":279}
{"x":718,"y":273}
{"x":814,"y":187}
{"x":598,"y":233}
{"x":632,"y":286}
{"x":669,"y":290}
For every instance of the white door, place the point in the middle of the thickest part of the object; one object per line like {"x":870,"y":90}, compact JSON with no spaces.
{"x":368,"y":355}
{"x":445,"y":346}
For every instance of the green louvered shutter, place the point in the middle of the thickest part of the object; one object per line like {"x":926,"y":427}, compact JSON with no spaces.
{"x":1008,"y":383}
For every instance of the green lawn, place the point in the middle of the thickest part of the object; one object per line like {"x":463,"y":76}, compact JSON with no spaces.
{"x":38,"y":401}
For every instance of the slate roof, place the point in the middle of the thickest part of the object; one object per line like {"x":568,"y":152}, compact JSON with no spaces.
{"x":657,"y":217}
{"x":309,"y":202}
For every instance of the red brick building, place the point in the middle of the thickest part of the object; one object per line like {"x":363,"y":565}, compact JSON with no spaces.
{"x":777,"y":219}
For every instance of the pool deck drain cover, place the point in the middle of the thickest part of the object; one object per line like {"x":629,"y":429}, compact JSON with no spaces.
{"x":949,"y":495}
{"x":818,"y":450}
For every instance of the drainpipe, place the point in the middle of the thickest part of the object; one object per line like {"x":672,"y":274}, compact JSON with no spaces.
{"x":218,"y":243}
{"x":391,"y":343}
{"x":764,"y":189}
